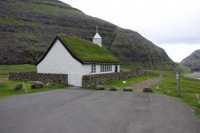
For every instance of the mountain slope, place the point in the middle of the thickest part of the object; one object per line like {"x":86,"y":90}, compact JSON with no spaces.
{"x":193,"y":61}
{"x":27,"y":27}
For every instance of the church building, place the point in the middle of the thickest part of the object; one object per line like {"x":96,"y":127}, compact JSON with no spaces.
{"x":77,"y":57}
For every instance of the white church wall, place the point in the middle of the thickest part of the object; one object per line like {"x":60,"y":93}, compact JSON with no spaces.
{"x":60,"y":61}
{"x":118,"y":68}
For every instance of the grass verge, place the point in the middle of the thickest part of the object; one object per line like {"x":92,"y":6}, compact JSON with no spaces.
{"x":5,"y":69}
{"x":189,"y":88}
{"x":6,"y":86}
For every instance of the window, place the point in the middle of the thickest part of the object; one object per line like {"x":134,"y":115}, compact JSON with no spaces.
{"x":93,"y":69}
{"x":106,"y":68}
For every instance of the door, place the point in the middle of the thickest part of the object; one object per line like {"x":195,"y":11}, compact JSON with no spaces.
{"x":116,"y":68}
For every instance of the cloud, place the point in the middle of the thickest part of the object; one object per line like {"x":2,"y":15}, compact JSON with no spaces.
{"x":183,"y":30}
{"x":160,"y":21}
{"x":171,"y":24}
{"x":178,"y":51}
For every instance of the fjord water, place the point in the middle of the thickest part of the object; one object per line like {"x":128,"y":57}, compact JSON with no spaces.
{"x":195,"y":75}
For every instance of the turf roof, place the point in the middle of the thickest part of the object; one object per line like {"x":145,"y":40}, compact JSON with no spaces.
{"x":83,"y":51}
{"x":87,"y":52}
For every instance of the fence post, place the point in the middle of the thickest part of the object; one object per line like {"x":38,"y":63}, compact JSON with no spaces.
{"x":198,"y":98}
{"x":178,"y":83}
{"x":25,"y":87}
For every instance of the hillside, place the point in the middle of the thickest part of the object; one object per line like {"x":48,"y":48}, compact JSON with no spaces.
{"x":193,"y":61}
{"x":27,"y":28}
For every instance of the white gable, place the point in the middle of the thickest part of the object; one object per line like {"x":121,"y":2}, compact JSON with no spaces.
{"x":60,"y":61}
{"x":97,"y":35}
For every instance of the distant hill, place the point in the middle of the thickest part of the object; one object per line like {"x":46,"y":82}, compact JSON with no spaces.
{"x":193,"y":61}
{"x":27,"y":28}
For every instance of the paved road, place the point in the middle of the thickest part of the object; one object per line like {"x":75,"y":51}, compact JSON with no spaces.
{"x":84,"y":111}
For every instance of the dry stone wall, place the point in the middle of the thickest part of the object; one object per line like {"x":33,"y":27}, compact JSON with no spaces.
{"x":97,"y":79}
{"x":34,"y":76}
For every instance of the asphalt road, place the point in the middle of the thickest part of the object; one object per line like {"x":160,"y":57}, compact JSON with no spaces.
{"x":84,"y":111}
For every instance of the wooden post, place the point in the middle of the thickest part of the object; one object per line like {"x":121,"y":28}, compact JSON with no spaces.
{"x":90,"y":78}
{"x":25,"y":87}
{"x":124,"y":82}
{"x":198,"y":98}
{"x":178,"y":83}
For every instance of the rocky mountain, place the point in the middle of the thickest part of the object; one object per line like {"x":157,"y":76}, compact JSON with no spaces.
{"x":193,"y":61}
{"x":27,"y":28}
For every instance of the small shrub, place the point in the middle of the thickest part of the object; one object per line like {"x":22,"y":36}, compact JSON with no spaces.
{"x":147,"y":90}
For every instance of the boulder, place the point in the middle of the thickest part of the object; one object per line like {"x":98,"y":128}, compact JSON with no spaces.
{"x":49,"y":84}
{"x":147,"y":90}
{"x":18,"y":87}
{"x":113,"y":88}
{"x":100,"y":87}
{"x":37,"y":85}
{"x":167,"y":91}
{"x":127,"y":89}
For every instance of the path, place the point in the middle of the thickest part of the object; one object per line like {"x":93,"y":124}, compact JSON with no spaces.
{"x":145,"y":84}
{"x":85,"y":111}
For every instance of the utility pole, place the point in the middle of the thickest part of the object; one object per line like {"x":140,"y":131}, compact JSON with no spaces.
{"x":178,"y":83}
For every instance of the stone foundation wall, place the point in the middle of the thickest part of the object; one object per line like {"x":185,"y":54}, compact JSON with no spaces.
{"x":43,"y":77}
{"x":95,"y":79}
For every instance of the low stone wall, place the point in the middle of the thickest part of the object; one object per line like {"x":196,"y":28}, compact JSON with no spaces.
{"x":95,"y":79}
{"x":43,"y":77}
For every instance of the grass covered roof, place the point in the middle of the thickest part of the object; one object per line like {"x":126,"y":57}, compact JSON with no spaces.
{"x":84,"y":51}
{"x":87,"y":52}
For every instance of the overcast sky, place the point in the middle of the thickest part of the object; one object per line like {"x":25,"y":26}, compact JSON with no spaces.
{"x":171,"y":24}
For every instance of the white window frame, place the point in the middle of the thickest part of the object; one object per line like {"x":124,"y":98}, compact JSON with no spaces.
{"x":105,"y":68}
{"x":93,"y":68}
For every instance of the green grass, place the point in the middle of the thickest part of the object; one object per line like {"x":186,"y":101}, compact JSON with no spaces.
{"x":18,"y":22}
{"x":129,"y":81}
{"x":125,"y":68}
{"x":6,"y":86}
{"x":184,"y":69}
{"x":87,"y":51}
{"x":42,"y":8}
{"x":25,"y":35}
{"x":5,"y":69}
{"x":189,"y":88}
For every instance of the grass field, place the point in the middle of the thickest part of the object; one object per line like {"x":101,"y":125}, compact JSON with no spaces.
{"x":189,"y":87}
{"x":5,"y":69}
{"x":6,"y":86}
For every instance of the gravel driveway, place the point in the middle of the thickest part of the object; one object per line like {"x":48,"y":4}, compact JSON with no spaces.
{"x":85,"y":111}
